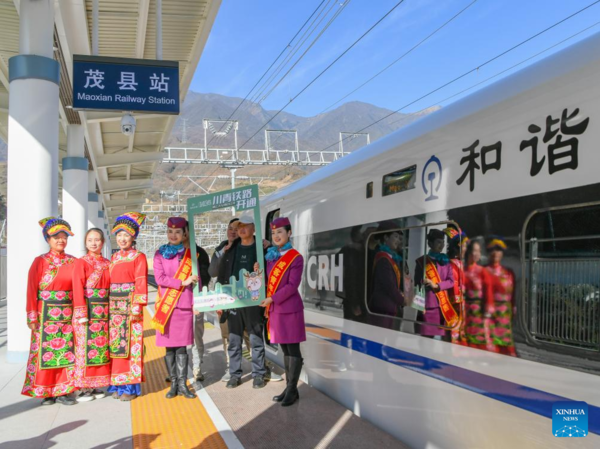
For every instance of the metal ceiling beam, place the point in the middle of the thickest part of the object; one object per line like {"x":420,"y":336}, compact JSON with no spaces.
{"x":125,"y":186}
{"x":117,"y":160}
{"x":98,"y":117}
{"x":129,"y":202}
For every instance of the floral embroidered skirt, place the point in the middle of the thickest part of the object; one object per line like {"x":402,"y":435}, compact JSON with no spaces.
{"x":125,"y":336}
{"x":51,"y":359}
{"x":475,"y":323}
{"x":501,"y":334}
{"x":92,"y":359}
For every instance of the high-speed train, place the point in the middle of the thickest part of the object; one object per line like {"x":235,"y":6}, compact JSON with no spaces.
{"x":519,"y":162}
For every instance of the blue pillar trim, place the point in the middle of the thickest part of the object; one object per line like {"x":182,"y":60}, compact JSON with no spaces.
{"x":93,"y":197}
{"x":74,"y":163}
{"x":22,"y":67}
{"x":100,"y":214}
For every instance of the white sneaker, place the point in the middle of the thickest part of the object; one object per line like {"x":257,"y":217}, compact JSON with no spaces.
{"x":85,"y":396}
{"x":226,"y":377}
{"x":98,"y":394}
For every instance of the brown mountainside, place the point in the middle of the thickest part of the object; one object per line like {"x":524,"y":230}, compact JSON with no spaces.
{"x":314,"y":134}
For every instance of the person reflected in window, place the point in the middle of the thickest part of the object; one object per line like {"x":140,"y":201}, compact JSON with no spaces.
{"x":500,"y":314}
{"x":354,"y":276}
{"x":479,"y":297}
{"x":386,"y":295}
{"x":434,"y":272}
{"x":457,"y":247}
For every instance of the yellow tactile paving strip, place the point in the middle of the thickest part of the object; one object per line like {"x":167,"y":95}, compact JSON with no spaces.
{"x":158,"y":422}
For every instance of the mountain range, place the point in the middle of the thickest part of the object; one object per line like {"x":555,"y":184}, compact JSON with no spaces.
{"x":314,"y":133}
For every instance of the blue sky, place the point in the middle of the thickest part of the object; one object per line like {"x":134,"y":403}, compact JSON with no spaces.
{"x":249,"y":34}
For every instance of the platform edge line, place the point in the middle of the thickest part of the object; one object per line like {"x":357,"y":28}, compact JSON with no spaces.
{"x":228,"y":435}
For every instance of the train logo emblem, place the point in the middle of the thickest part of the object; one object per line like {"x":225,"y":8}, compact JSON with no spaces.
{"x":433,"y":178}
{"x":570,"y":419}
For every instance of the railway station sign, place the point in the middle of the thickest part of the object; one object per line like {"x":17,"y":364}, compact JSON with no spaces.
{"x":245,"y":288}
{"x":123,"y":84}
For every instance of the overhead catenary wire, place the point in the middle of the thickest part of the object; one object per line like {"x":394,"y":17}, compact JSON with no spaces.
{"x":475,"y":69}
{"x":297,"y":46}
{"x":273,"y":63}
{"x":505,"y":70}
{"x":327,"y":25}
{"x":325,"y":70}
{"x":422,"y":41}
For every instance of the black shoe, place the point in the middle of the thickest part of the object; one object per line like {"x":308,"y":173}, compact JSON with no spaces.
{"x":182,"y":366}
{"x":49,"y":401}
{"x":172,"y":370}
{"x":291,"y":395}
{"x":233,"y":382}
{"x":258,"y":382}
{"x":65,"y":400}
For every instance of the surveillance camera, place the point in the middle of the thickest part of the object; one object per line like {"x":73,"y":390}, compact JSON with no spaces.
{"x":128,"y":125}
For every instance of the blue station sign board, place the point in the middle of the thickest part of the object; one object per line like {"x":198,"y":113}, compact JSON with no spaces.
{"x":123,"y":84}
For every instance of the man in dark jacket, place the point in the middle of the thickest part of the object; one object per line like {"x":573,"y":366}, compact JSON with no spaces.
{"x":198,"y":348}
{"x":241,"y":254}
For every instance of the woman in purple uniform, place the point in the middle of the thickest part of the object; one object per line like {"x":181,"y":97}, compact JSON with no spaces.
{"x":174,"y":317}
{"x":284,"y":307}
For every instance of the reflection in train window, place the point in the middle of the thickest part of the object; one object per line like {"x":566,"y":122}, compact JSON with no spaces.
{"x":399,"y":181}
{"x":370,"y":190}
{"x":562,"y":255}
{"x":411,"y":285}
{"x":274,"y":214}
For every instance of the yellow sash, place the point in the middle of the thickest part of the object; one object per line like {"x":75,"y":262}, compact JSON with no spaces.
{"x":442,"y":296}
{"x":166,"y":303}
{"x":275,"y":277}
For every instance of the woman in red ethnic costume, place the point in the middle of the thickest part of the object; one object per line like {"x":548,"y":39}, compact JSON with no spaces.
{"x":479,"y":298}
{"x":284,"y":305}
{"x":49,"y":313}
{"x":457,"y":247}
{"x":91,"y":284}
{"x":503,"y":284}
{"x":128,"y":296}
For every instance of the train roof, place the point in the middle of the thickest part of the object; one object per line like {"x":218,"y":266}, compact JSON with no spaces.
{"x":562,"y":63}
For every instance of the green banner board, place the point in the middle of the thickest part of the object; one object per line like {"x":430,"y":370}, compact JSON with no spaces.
{"x":248,"y":289}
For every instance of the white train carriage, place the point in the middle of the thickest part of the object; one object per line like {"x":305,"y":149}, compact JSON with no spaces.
{"x":518,"y":159}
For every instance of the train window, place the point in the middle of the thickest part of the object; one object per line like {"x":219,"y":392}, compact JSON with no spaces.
{"x":270,"y":217}
{"x":399,"y":181}
{"x":370,"y":190}
{"x":411,"y":284}
{"x":562,"y":268}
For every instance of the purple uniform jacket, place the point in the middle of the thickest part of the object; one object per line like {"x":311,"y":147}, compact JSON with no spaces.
{"x":179,"y":330}
{"x":433,"y":313}
{"x":286,"y":313}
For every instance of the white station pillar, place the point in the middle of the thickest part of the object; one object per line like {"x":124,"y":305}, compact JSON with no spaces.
{"x":33,"y":158}
{"x":100,"y":220}
{"x":92,"y":201}
{"x":75,"y":189}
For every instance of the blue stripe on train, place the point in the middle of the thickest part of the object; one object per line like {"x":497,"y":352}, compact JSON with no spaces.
{"x":526,"y":398}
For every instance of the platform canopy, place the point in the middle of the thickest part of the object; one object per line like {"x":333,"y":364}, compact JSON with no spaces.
{"x":126,"y":28}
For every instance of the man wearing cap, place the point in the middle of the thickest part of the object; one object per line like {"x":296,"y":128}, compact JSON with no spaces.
{"x":241,"y":254}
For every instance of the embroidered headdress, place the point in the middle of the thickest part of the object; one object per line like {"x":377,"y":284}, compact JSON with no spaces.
{"x":456,"y":237}
{"x":129,"y":222}
{"x":496,"y":242}
{"x":53,"y":225}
